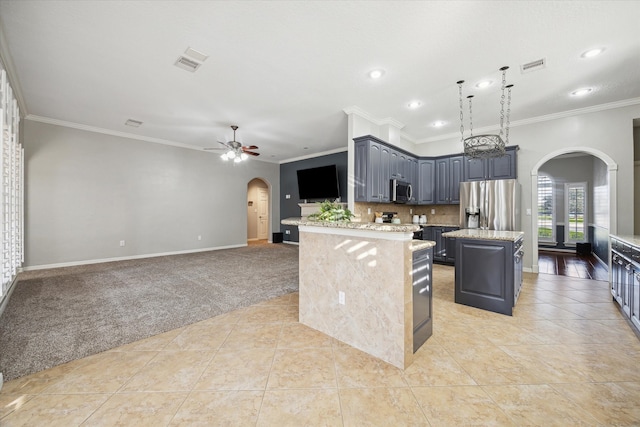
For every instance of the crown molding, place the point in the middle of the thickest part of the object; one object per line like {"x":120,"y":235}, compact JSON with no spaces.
{"x":540,"y":119}
{"x":354,"y":109}
{"x":95,"y":129}
{"x":12,"y":75}
{"x":311,"y":156}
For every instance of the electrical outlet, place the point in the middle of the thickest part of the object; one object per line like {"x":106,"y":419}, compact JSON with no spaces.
{"x":433,"y":211}
{"x":1,"y":380}
{"x":121,"y":242}
{"x":287,"y":231}
{"x":199,"y":237}
{"x":341,"y":297}
{"x":288,"y":196}
{"x":368,"y":211}
{"x":410,"y":211}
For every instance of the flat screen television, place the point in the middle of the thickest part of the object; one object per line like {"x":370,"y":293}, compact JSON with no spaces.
{"x":319,"y":183}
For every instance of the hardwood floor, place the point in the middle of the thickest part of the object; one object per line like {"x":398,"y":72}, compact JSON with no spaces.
{"x":570,"y":264}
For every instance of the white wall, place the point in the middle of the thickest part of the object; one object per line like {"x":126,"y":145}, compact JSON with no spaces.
{"x":86,"y":191}
{"x":609,"y":131}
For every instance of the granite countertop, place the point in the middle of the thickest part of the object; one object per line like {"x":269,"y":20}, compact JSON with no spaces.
{"x":510,"y":236}
{"x":632,"y":240}
{"x":416,"y":245}
{"x":371,"y":226}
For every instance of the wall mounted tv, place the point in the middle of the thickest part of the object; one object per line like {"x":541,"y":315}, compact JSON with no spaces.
{"x":319,"y":183}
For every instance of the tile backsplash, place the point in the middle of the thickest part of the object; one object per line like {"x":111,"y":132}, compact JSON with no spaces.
{"x":444,"y":214}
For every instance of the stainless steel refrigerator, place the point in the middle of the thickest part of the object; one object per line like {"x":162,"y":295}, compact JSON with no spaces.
{"x":490,"y":205}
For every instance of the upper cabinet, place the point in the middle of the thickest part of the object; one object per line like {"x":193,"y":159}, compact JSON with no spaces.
{"x":505,"y":167}
{"x":426,"y":181}
{"x":372,"y":170}
{"x":376,"y":164}
{"x":449,"y":173}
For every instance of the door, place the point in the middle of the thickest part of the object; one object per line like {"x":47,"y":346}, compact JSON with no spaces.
{"x":263,"y":213}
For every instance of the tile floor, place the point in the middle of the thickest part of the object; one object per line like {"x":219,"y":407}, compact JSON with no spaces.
{"x":566,"y":357}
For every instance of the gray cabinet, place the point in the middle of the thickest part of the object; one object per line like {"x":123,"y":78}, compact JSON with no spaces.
{"x":488,"y":274}
{"x":625,"y":278}
{"x":449,"y":173}
{"x":376,"y":164}
{"x":426,"y":186}
{"x":444,"y":250}
{"x":422,"y":297}
{"x":505,"y":167}
{"x":371,"y":170}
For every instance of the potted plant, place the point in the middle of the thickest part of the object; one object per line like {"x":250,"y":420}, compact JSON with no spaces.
{"x":331,"y":211}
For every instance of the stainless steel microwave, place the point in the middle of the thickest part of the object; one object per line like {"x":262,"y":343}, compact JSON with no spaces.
{"x":400,"y":191}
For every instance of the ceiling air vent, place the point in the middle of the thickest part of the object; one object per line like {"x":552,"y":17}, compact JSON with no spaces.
{"x":187,"y":64}
{"x":133,"y":123}
{"x":533,"y":65}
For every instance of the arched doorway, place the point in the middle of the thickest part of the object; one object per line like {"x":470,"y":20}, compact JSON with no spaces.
{"x":258,"y":210}
{"x":612,"y":169}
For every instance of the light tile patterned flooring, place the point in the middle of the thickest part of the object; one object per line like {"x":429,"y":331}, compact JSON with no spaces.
{"x":566,"y":357}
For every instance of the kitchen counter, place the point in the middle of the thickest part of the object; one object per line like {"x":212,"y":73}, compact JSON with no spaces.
{"x":475,"y":233}
{"x":632,"y":240}
{"x":356,"y":284}
{"x":349,"y":225}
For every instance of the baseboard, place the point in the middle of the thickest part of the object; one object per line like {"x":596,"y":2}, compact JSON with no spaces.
{"x":126,"y":258}
{"x":288,"y":242}
{"x":5,"y":298}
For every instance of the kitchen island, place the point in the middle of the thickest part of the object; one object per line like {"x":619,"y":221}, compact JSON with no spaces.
{"x":488,"y":268}
{"x":357,"y":285}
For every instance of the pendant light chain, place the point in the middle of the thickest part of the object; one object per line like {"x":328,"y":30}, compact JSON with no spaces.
{"x":470,"y":115}
{"x":508,"y":113}
{"x":504,"y":82}
{"x":461,"y":108}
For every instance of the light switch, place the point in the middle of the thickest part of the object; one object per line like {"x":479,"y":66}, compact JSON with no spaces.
{"x":288,"y":196}
{"x":529,"y":212}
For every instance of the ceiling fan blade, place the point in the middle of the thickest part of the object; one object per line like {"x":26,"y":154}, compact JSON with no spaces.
{"x":212,"y":148}
{"x":250,"y":147}
{"x":251,"y":153}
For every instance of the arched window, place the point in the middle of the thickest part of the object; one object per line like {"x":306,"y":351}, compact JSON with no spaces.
{"x":546,"y":210}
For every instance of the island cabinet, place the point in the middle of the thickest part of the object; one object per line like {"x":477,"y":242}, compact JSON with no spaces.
{"x":625,"y":275}
{"x":449,"y":173}
{"x":422,"y":296}
{"x":505,"y":167}
{"x":488,"y":269}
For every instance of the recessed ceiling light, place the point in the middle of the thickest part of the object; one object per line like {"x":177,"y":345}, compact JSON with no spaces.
{"x":484,"y":84}
{"x":582,"y":92}
{"x":376,"y":74}
{"x":415,"y":104}
{"x":439,"y":124}
{"x":592,"y":52}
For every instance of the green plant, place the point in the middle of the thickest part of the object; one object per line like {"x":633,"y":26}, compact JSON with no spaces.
{"x":330,"y":211}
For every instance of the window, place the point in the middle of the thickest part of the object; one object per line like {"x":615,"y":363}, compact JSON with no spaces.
{"x":575,"y":212}
{"x":11,"y":185}
{"x":546,"y":222}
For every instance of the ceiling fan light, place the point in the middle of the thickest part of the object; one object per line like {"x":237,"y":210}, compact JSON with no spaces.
{"x":224,"y":157}
{"x":231,"y":154}
{"x":244,"y":156}
{"x":237,"y":160}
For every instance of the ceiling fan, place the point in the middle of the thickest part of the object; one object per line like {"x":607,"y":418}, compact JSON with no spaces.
{"x":235,"y":150}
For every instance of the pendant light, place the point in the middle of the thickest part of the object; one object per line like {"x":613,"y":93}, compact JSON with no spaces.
{"x":488,"y":145}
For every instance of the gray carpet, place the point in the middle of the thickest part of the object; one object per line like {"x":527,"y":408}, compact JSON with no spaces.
{"x":58,"y":315}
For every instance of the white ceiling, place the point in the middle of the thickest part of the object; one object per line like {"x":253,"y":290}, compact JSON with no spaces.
{"x":284,"y":71}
